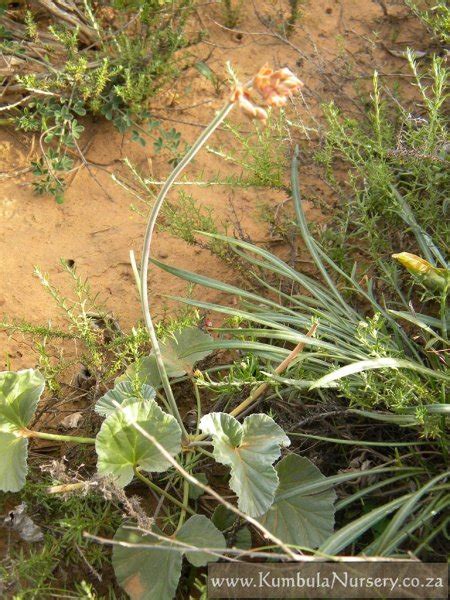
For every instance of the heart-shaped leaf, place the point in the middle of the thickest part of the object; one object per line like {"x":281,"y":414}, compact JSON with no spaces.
{"x":250,"y":450}
{"x":121,"y":447}
{"x":198,"y":531}
{"x":13,"y":465}
{"x":177,"y":356}
{"x":142,"y":372}
{"x":19,"y":396}
{"x":177,"y":353}
{"x":153,"y":573}
{"x":301,"y":516}
{"x":122,"y":391}
{"x":223,"y":518}
{"x":146,"y":573}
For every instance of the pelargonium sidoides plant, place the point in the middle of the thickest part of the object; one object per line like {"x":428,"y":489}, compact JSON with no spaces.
{"x":289,"y":504}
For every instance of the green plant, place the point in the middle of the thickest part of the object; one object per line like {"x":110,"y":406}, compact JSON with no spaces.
{"x":137,"y":436}
{"x":183,"y":217}
{"x":231,"y":12}
{"x":397,"y":176}
{"x":435,"y":15}
{"x":371,"y":362}
{"x":362,"y":355}
{"x":40,"y":570}
{"x":96,"y":68}
{"x":263,"y":163}
{"x":295,"y":14}
{"x":205,"y":70}
{"x":297,"y":336}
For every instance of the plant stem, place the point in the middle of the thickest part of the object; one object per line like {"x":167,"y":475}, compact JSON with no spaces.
{"x":444,"y":311}
{"x":199,"y":443}
{"x":199,"y":403}
{"x":185,"y":503}
{"x":57,"y":437}
{"x":65,"y":488}
{"x":206,"y":452}
{"x":159,"y":490}
{"x":146,"y":255}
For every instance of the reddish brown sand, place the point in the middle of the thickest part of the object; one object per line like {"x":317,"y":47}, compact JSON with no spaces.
{"x":334,"y":48}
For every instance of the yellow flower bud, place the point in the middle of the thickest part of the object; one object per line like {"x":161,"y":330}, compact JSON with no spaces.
{"x":431,"y":276}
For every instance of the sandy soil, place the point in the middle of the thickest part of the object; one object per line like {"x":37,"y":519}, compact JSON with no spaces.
{"x":334,"y":48}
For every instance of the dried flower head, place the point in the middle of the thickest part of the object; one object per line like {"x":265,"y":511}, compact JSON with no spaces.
{"x":274,"y":88}
{"x":249,"y":108}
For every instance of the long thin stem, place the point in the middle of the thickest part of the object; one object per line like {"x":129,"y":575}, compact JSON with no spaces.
{"x":185,"y":504}
{"x":199,"y":403}
{"x":147,"y":249}
{"x":57,"y":437}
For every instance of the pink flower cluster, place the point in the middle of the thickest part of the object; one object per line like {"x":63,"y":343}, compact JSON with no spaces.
{"x":274,"y":87}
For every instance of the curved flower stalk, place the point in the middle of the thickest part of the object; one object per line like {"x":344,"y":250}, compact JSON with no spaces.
{"x":269,"y":88}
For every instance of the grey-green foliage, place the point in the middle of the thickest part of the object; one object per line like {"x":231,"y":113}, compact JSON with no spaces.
{"x":250,"y":450}
{"x":137,"y":435}
{"x":122,"y":445}
{"x":344,"y":336}
{"x":299,"y":516}
{"x":179,"y":357}
{"x":123,"y":390}
{"x":151,"y":570}
{"x":19,"y":396}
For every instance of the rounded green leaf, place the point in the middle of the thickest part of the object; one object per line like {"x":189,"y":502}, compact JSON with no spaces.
{"x":146,"y":573}
{"x":298,"y":516}
{"x":250,"y":450}
{"x":19,"y":396}
{"x":199,"y":531}
{"x":144,"y":371}
{"x":122,"y":391}
{"x":243,"y":539}
{"x":13,"y":464}
{"x":178,"y":356}
{"x":223,"y":518}
{"x":121,"y":447}
{"x":152,"y":573}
